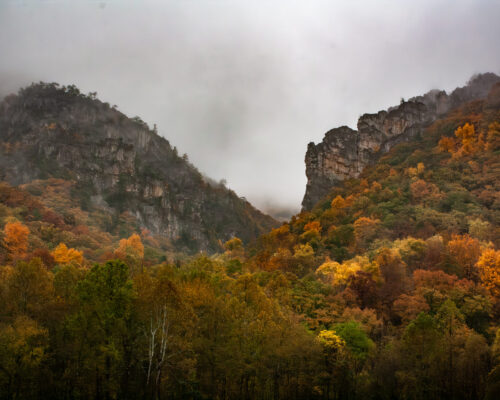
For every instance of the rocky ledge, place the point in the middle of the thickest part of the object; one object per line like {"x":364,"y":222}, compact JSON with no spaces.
{"x":344,"y":152}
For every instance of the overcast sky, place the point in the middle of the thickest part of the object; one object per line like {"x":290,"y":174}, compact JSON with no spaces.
{"x":243,"y":86}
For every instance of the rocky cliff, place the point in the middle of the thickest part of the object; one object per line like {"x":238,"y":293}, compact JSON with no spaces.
{"x":344,"y":152}
{"x":120,"y":165}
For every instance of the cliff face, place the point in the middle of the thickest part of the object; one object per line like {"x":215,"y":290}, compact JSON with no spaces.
{"x":344,"y":152}
{"x":118,"y":164}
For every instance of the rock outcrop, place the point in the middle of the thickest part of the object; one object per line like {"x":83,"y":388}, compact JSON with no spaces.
{"x":344,"y":152}
{"x":120,"y":165}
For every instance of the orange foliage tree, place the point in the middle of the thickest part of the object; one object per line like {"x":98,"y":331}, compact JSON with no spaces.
{"x":467,"y":141}
{"x":338,"y":203}
{"x":493,"y":137}
{"x":365,"y":230}
{"x":64,"y":255}
{"x":312,"y":226}
{"x":471,"y":142}
{"x":447,"y":144}
{"x":16,"y":239}
{"x":312,"y":231}
{"x":408,"y":307}
{"x":131,"y":248}
{"x":465,"y":251}
{"x":424,"y":191}
{"x":437,"y":280}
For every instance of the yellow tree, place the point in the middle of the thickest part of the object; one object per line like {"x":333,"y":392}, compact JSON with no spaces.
{"x":336,"y":273}
{"x":339,"y":274}
{"x":489,"y":270}
{"x":304,"y":253}
{"x":338,"y":203}
{"x":234,"y":247}
{"x":331,"y":341}
{"x":420,"y":168}
{"x":334,"y":349}
{"x":467,"y":136}
{"x":16,"y":239}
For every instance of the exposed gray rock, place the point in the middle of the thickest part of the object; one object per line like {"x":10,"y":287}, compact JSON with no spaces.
{"x":118,"y":164}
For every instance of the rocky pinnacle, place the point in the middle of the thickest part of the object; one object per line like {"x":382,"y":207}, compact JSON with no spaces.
{"x":344,"y":152}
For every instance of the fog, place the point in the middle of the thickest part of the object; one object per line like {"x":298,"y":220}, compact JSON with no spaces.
{"x":242,"y":87}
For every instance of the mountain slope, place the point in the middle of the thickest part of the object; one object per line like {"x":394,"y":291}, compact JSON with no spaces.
{"x":118,"y":164}
{"x":344,"y":152}
{"x":441,"y":182}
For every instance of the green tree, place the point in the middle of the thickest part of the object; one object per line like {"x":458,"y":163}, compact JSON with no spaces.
{"x":359,"y":346}
{"x":103,"y":330}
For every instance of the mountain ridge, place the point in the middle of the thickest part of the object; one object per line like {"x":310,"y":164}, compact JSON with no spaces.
{"x":344,"y":152}
{"x":118,"y":164}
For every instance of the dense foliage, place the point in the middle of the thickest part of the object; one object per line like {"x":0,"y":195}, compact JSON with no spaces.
{"x":388,"y":289}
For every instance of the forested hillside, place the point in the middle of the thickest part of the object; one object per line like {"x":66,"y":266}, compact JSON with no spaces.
{"x":389,"y":288}
{"x":119,"y":167}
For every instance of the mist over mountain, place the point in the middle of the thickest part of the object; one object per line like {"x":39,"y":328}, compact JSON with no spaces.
{"x":118,"y":164}
{"x":242,"y":87}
